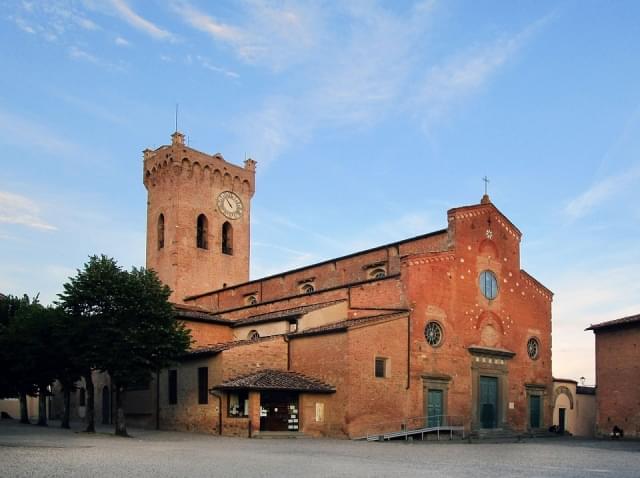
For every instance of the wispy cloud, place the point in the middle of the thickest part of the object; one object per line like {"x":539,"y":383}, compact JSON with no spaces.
{"x":17,"y":209}
{"x":275,"y":35}
{"x":206,"y":63}
{"x":77,"y":53}
{"x":126,"y":13}
{"x":454,"y":80}
{"x":121,"y":41}
{"x":600,"y":192}
{"x":51,"y":19}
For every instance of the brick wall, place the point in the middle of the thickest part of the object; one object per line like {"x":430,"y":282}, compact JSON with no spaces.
{"x":618,"y":380}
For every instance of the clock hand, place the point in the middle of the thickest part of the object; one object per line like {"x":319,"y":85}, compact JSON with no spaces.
{"x":229,"y":203}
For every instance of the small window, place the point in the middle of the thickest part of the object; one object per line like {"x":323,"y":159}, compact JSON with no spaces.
{"x":533,"y":348}
{"x":201,"y":233}
{"x":238,"y":404}
{"x":82,"y":397}
{"x":307,"y":289}
{"x":251,"y":300}
{"x":293,"y":325}
{"x":488,"y":284}
{"x":378,"y":273}
{"x":381,"y":367}
{"x":253,"y":335}
{"x":161,"y":231}
{"x":173,"y":387}
{"x":203,"y":385}
{"x":433,"y":334}
{"x":227,"y":238}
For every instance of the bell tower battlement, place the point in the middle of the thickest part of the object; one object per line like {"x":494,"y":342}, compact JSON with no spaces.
{"x":198,"y":218}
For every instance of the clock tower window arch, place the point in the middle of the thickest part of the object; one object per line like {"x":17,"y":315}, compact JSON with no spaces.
{"x":202,"y":228}
{"x":227,"y":238}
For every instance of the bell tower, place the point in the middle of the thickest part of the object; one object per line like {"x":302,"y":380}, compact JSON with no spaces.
{"x":198,"y":218}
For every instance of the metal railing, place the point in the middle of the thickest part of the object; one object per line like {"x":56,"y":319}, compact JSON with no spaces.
{"x":412,"y":426}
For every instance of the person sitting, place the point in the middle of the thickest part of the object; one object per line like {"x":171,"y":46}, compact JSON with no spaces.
{"x":617,"y":433}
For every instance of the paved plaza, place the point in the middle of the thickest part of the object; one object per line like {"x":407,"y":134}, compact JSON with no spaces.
{"x":33,"y":451}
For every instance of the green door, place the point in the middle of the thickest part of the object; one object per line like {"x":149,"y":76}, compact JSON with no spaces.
{"x":434,"y":408}
{"x":534,"y":411}
{"x":488,"y":404}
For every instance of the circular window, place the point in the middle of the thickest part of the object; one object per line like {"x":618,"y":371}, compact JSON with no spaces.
{"x":378,"y":274}
{"x":252,"y":300}
{"x":533,"y":348}
{"x":307,"y":289}
{"x":488,"y":284}
{"x":433,"y":334}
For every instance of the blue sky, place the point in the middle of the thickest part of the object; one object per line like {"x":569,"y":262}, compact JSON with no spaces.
{"x":368,"y":121}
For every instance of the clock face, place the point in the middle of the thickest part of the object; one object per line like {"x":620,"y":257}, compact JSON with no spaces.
{"x":230,"y":205}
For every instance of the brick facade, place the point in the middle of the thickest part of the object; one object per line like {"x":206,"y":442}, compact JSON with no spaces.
{"x":374,"y":304}
{"x":618,"y":376}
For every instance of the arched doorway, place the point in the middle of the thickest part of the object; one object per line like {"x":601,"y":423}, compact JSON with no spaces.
{"x":106,"y":405}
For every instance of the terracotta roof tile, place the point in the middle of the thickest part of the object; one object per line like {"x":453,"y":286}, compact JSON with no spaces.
{"x":349,"y":323}
{"x":269,"y":379}
{"x":282,"y":314}
{"x":632,"y":319}
{"x":222,"y":346}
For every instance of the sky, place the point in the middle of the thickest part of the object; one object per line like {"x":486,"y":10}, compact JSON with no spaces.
{"x":368,"y":121}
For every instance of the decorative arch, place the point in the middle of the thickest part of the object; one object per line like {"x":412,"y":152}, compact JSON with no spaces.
{"x":562,"y":390}
{"x":227,"y":238}
{"x":488,"y":248}
{"x":202,"y":228}
{"x":161,"y":231}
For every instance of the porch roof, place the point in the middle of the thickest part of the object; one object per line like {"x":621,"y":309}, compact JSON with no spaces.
{"x":270,"y":379}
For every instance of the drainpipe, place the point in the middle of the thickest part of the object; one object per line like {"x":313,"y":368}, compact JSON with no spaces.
{"x":287,"y":340}
{"x":408,"y":350}
{"x":219,"y":397}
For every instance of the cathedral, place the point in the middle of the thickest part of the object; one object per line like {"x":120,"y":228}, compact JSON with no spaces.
{"x":442,"y":329}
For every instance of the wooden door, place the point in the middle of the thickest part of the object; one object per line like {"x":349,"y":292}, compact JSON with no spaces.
{"x":434,"y":408}
{"x":276,"y":410}
{"x":534,"y":411}
{"x":561,"y":419}
{"x":488,"y":402}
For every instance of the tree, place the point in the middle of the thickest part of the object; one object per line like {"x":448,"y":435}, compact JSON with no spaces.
{"x":32,"y":357}
{"x":17,"y":365}
{"x":129,"y":321}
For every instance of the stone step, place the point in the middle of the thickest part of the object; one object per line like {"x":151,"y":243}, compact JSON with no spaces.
{"x":284,"y":434}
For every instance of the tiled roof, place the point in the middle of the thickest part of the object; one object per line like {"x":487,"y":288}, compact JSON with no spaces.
{"x":199,"y":314}
{"x":349,"y":323}
{"x":632,"y":319}
{"x":282,"y":314}
{"x":222,"y":346}
{"x":269,"y":379}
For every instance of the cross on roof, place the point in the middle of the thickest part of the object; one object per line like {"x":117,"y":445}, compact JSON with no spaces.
{"x":486,"y":184}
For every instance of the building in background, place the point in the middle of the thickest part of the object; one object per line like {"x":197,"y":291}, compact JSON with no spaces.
{"x":574,"y":408}
{"x":618,"y":375}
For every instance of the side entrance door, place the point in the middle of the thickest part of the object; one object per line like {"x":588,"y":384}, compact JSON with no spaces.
{"x":488,"y":405}
{"x":434,"y":408}
{"x":534,"y":411}
{"x":561,"y":419}
{"x":279,"y":411}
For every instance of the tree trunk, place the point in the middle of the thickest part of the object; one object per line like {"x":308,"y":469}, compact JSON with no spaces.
{"x":121,"y":426}
{"x":42,"y":405}
{"x":89,"y":409}
{"x":66,"y":394}
{"x":24,"y":412}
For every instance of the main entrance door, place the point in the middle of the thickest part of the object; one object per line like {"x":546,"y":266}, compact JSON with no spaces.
{"x":534,"y":411}
{"x":434,"y":408}
{"x":488,"y":404}
{"x":279,"y":411}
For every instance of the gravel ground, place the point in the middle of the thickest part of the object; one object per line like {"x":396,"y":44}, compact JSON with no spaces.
{"x":32,"y":451}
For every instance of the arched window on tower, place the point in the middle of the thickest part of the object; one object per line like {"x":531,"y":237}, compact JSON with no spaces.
{"x":202,"y":229}
{"x":161,"y":231}
{"x":227,"y":238}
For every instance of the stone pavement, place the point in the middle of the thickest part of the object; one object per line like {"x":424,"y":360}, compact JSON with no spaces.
{"x":28,"y":450}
